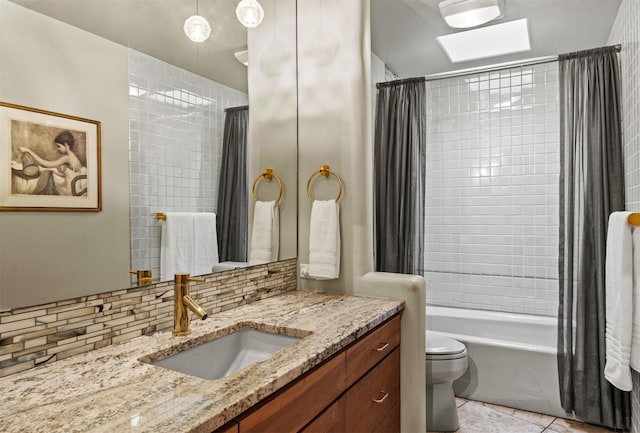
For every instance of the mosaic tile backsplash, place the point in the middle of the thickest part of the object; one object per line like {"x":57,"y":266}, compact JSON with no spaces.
{"x":46,"y":333}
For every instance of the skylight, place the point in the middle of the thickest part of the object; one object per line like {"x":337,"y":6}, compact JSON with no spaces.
{"x":489,"y":41}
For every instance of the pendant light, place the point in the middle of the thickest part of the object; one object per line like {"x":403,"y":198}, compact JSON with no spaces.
{"x":250,"y":13}
{"x":196,"y":27}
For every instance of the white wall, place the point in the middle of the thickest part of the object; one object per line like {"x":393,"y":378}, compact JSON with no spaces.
{"x":273,"y":131}
{"x":626,"y":31}
{"x":335,"y":128}
{"x":49,"y":65}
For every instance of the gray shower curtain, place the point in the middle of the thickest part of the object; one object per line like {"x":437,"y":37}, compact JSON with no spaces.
{"x":399,"y":176}
{"x":232,"y":217}
{"x":591,"y":187}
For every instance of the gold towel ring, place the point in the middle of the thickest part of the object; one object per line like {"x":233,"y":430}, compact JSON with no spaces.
{"x":324,"y":171}
{"x":267,"y":173}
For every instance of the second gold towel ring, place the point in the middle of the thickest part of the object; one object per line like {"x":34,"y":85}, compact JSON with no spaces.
{"x":267,"y":173}
{"x":324,"y":171}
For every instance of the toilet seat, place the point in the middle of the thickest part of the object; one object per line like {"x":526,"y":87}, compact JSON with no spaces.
{"x":440,"y":348}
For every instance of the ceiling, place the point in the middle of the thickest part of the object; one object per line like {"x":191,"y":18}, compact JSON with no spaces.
{"x":154,"y":27}
{"x":403,"y":31}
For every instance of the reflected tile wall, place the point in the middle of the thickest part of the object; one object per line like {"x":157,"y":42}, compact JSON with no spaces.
{"x":176,"y":121}
{"x":626,"y":31}
{"x":492,"y":190}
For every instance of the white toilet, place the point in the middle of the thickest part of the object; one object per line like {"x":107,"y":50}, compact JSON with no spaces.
{"x":446,"y":360}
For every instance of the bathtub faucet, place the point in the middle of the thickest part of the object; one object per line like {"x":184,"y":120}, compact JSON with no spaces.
{"x":182,"y":303}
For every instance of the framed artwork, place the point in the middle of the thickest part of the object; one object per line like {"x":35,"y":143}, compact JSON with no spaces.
{"x":48,"y":161}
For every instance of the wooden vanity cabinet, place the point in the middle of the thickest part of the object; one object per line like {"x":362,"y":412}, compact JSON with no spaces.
{"x":290,"y":409}
{"x":230,"y":427}
{"x":371,"y":399}
{"x":332,"y":420}
{"x":355,"y":391}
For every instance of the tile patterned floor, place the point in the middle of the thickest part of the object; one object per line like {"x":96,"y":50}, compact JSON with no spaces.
{"x":479,"y":417}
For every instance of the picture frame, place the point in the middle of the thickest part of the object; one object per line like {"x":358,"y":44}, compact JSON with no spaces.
{"x":48,"y":161}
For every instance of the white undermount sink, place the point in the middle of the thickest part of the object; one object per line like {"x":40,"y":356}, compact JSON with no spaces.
{"x":225,"y":355}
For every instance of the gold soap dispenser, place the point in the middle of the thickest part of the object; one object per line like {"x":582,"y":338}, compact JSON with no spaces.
{"x":182,"y":303}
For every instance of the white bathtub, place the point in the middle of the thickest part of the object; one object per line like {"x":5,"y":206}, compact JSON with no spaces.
{"x":512,"y":357}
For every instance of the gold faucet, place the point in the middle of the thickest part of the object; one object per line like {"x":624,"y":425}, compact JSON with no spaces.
{"x":182,"y":303}
{"x":143,"y":275}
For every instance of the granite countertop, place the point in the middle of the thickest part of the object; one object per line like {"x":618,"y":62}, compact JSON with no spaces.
{"x":112,"y":390}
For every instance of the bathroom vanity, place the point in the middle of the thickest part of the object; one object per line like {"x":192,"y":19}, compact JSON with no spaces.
{"x":342,"y":375}
{"x":356,"y":390}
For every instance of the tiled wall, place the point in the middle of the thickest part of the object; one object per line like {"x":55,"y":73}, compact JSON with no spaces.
{"x":46,"y":333}
{"x":176,"y":122}
{"x":492,"y":190}
{"x":626,"y":31}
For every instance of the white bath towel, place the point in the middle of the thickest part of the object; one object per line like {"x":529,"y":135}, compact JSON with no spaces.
{"x":205,"y":253}
{"x":265,"y":233}
{"x":324,"y":241}
{"x":635,"y":333}
{"x":619,"y":305}
{"x":188,"y":244}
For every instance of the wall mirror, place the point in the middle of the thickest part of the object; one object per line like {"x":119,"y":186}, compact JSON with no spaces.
{"x":160,"y":99}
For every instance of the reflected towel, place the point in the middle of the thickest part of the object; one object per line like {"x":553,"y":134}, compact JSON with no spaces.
{"x":619,"y":305}
{"x":205,"y":251}
{"x":265,"y":233}
{"x":324,"y":241}
{"x":188,"y":244}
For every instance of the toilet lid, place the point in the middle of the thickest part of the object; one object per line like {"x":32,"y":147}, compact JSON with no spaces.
{"x":439,"y":345}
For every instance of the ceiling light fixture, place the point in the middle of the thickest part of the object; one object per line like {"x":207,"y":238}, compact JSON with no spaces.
{"x":489,"y":41}
{"x":197,"y":27}
{"x":461,"y":14}
{"x":250,"y":13}
{"x":242,"y":56}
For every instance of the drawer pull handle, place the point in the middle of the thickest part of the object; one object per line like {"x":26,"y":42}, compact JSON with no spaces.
{"x":381,"y":348}
{"x":384,"y":397}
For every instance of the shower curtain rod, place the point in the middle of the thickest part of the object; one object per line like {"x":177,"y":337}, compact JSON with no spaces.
{"x":499,"y":66}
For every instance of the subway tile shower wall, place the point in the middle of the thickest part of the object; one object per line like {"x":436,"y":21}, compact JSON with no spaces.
{"x":625,"y":31}
{"x":176,"y":122}
{"x":492,"y":190}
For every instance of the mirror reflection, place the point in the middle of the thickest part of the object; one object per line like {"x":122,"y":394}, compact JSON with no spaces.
{"x":162,"y":101}
{"x":176,"y":146}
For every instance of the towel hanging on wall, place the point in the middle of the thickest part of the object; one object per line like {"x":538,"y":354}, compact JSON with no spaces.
{"x":188,"y":244}
{"x":619,"y":300}
{"x":265,"y":233}
{"x":324,"y":241}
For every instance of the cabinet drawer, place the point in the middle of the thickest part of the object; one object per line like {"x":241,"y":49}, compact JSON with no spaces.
{"x":375,"y":395}
{"x":299,"y":402}
{"x":332,"y":420}
{"x":371,"y":348}
{"x":391,"y":422}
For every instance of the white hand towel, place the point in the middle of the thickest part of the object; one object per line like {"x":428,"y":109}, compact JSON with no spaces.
{"x":176,"y":245}
{"x":205,"y":243}
{"x":619,"y":305}
{"x":265,"y":233}
{"x":324,"y":240}
{"x":188,"y":244}
{"x":635,"y":334}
